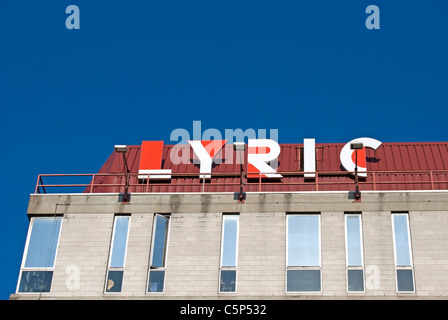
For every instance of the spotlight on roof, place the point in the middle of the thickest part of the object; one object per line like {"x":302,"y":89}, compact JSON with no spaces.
{"x":239,"y":146}
{"x":356,"y":145}
{"x":121,"y":148}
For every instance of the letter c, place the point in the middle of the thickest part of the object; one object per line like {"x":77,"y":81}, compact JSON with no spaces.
{"x":347,"y":159}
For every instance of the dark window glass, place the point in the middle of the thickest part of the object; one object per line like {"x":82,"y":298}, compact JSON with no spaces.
{"x":35,"y":281}
{"x":303,"y":280}
{"x":228,"y":281}
{"x":355,"y":280}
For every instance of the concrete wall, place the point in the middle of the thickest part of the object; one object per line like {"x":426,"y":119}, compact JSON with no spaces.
{"x":194,"y":246}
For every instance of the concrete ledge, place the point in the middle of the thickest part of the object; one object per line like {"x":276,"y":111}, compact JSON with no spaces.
{"x":225,"y":202}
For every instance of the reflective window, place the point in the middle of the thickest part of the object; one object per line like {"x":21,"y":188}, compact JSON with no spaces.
{"x":405,"y":280}
{"x":354,"y":252}
{"x":40,"y":255}
{"x":156,"y":277}
{"x":229,"y":253}
{"x":303,"y":250}
{"x":355,"y":280}
{"x":35,"y":281}
{"x":119,"y":243}
{"x":156,"y":280}
{"x":114,"y":280}
{"x":403,"y":252}
{"x":229,"y":241}
{"x":353,"y":240}
{"x":159,"y":244}
{"x":227,"y":282}
{"x":401,"y":239}
{"x":303,"y":281}
{"x":303,"y":240}
{"x":43,"y":242}
{"x":117,"y":254}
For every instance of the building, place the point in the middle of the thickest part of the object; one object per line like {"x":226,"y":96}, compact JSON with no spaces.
{"x":246,"y":221}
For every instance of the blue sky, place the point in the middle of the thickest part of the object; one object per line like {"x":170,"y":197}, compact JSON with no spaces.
{"x":138,"y":70}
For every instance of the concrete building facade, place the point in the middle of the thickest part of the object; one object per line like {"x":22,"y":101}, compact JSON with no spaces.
{"x":192,"y":262}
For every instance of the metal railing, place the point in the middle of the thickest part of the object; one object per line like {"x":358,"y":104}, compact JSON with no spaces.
{"x":237,"y":181}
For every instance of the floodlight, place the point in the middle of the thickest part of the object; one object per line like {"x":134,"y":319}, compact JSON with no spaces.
{"x":121,"y":148}
{"x":239,"y":146}
{"x":356,"y":145}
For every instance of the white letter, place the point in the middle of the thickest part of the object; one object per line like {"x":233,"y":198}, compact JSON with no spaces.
{"x":375,"y":16}
{"x":206,"y":151}
{"x":258,"y":160}
{"x":207,"y":136}
{"x":309,"y":157}
{"x":373,"y":277}
{"x":72,"y":21}
{"x":347,"y":155}
{"x":72,"y":281}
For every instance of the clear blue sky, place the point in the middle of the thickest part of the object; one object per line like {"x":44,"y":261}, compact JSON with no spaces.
{"x":138,"y":70}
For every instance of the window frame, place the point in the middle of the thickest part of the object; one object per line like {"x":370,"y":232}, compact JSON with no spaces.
{"x":151,"y":268}
{"x":111,"y":248}
{"x":299,"y":268}
{"x":349,"y":267}
{"x":411,"y":258}
{"x":229,"y":268}
{"x":23,"y":268}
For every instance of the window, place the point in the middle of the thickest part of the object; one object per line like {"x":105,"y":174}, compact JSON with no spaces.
{"x":229,"y":250}
{"x":403,"y":252}
{"x":156,"y":275}
{"x":40,"y":254}
{"x":303,"y":253}
{"x":354,"y":253}
{"x":117,"y":254}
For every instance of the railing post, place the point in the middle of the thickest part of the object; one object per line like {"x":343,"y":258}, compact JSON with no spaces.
{"x":317,"y":181}
{"x":36,"y":190}
{"x":432,"y":181}
{"x":147,"y":183}
{"x":91,"y":184}
{"x":374,"y":181}
{"x":41,"y":182}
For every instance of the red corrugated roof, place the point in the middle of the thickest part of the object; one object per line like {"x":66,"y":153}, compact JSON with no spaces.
{"x":393,"y":166}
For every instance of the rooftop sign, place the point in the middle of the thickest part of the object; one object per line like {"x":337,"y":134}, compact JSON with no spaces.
{"x":262,"y":155}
